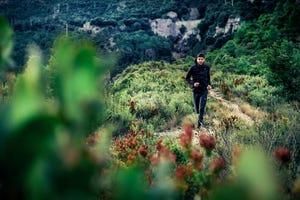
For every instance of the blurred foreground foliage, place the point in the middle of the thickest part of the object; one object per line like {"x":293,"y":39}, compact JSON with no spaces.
{"x":43,"y":154}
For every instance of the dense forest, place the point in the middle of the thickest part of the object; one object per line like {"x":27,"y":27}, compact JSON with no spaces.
{"x":95,"y":105}
{"x":125,"y":27}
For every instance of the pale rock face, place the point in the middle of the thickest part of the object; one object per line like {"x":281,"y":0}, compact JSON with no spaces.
{"x":166,"y":27}
{"x":162,"y":27}
{"x":121,"y":6}
{"x":194,"y":14}
{"x":191,"y":27}
{"x":172,"y":14}
{"x":231,"y":22}
{"x":88,"y":27}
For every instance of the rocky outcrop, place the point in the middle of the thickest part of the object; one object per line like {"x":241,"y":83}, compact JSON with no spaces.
{"x":233,"y":23}
{"x":174,"y":27}
{"x":172,"y":15}
{"x":194,"y":14}
{"x":90,"y":28}
{"x":180,"y":30}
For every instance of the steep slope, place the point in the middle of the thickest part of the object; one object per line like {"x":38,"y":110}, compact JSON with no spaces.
{"x":241,"y":110}
{"x":156,"y":97}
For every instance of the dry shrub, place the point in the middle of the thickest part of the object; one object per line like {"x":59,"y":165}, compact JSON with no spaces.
{"x":252,"y":112}
{"x":189,"y":120}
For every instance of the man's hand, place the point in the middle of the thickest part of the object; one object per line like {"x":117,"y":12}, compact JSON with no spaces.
{"x":209,"y":87}
{"x":196,"y":84}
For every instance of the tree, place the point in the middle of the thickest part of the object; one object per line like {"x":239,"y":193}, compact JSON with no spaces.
{"x":283,"y":59}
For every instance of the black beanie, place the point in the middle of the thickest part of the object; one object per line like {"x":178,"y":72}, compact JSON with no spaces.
{"x":201,"y":55}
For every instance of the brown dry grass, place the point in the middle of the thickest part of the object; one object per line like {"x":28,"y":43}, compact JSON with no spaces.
{"x":252,"y":112}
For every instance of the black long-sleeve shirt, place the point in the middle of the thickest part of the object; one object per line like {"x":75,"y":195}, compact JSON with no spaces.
{"x":201,"y":74}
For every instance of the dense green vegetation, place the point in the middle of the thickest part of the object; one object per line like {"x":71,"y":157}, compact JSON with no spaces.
{"x":269,"y":47}
{"x":126,"y":23}
{"x":152,"y":93}
{"x":259,"y":65}
{"x":68,"y":131}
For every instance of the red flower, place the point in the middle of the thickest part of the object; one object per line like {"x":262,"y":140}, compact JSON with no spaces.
{"x":188,"y":130}
{"x":196,"y":155}
{"x":143,"y":150}
{"x":166,"y":153}
{"x":132,"y":143}
{"x":208,"y":142}
{"x":181,"y":172}
{"x":148,"y":134}
{"x":155,"y":159}
{"x":91,"y":140}
{"x":130,"y":159}
{"x":162,"y":152}
{"x":185,"y":140}
{"x":159,"y":145}
{"x":217,"y":165}
{"x":282,"y":154}
{"x":189,"y":169}
{"x":236,"y":153}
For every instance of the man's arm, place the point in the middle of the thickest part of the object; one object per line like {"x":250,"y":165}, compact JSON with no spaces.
{"x":188,"y":77}
{"x":209,"y":82}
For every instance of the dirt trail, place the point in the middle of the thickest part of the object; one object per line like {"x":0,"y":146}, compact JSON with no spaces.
{"x":232,"y":107}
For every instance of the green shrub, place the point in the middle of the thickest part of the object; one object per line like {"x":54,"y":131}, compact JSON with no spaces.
{"x":161,"y":96}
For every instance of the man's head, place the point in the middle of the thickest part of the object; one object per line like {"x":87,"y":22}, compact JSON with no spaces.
{"x":200,"y":59}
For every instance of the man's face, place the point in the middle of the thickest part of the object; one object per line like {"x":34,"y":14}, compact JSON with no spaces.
{"x":200,"y":60}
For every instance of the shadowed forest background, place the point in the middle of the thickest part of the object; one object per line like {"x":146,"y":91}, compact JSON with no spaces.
{"x":94,"y":103}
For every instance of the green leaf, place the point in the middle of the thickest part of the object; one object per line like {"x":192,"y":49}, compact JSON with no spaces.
{"x":255,"y":173}
{"x":6,"y":43}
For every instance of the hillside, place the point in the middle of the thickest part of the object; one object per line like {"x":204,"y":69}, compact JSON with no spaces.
{"x":242,"y":111}
{"x":155,"y":95}
{"x":137,"y":30}
{"x":255,"y":100}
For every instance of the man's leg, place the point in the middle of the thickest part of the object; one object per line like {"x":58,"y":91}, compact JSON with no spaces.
{"x":197,"y":97}
{"x":197,"y":102}
{"x":202,"y":104}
